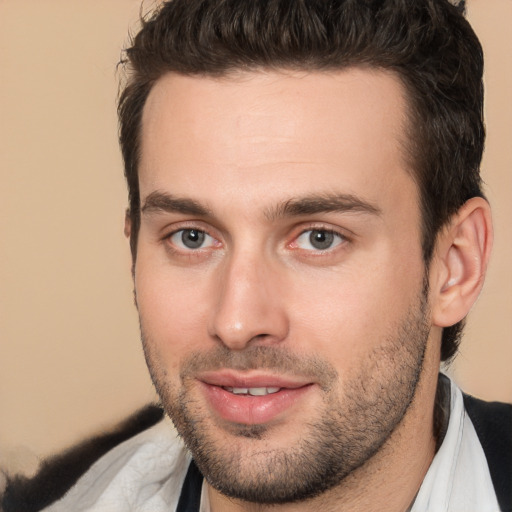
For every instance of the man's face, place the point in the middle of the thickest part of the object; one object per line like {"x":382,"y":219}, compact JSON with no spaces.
{"x":279,"y":277}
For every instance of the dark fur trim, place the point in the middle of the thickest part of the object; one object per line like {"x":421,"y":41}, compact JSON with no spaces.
{"x":59,"y":473}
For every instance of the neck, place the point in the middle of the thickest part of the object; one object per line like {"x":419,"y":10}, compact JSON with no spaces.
{"x":389,"y":481}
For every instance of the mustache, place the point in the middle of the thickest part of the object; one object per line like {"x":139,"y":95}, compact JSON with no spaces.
{"x":278,"y":360}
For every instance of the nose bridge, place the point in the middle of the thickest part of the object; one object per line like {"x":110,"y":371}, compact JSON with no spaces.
{"x":248,"y":302}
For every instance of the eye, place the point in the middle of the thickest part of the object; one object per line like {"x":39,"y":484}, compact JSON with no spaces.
{"x":190,"y":239}
{"x":318,"y":240}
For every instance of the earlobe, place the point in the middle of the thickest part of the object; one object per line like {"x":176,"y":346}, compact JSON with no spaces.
{"x":462,"y":255}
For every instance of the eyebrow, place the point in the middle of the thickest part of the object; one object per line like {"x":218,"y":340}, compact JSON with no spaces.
{"x":161,"y":202}
{"x":308,"y":205}
{"x":323,"y":203}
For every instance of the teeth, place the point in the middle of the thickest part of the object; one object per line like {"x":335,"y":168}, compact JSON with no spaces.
{"x":262,"y":391}
{"x":252,"y":391}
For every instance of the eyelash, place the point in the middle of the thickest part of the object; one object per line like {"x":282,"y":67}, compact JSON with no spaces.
{"x":337,"y":239}
{"x":342,"y":239}
{"x":189,"y":251}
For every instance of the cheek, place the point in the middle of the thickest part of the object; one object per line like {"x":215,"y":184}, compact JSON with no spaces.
{"x":172,"y":309}
{"x":346,"y":314}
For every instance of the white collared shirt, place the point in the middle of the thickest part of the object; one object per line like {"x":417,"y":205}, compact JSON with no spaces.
{"x":458,"y":480}
{"x":146,"y":473}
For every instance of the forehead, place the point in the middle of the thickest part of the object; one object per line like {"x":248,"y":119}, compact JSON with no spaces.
{"x":275,"y":132}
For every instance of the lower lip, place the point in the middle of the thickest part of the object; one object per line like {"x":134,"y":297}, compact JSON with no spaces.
{"x":251,"y":410}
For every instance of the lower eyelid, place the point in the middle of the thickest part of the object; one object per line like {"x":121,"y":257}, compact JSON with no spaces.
{"x":339,"y":239}
{"x":209,"y":242}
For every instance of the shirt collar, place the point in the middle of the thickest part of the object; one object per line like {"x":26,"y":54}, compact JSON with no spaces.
{"x":458,"y":478}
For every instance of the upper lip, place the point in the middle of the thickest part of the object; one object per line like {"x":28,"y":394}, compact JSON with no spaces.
{"x":250,"y":379}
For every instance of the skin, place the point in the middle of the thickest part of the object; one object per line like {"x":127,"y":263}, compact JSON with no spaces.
{"x":234,"y":151}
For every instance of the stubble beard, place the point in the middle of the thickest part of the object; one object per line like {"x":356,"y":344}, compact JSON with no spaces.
{"x":343,"y":435}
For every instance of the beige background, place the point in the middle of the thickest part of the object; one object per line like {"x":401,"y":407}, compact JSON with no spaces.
{"x":70,"y":360}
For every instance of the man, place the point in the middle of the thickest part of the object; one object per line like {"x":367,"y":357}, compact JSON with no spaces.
{"x":308,"y":233}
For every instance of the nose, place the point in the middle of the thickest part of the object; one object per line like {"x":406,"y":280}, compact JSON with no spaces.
{"x":250,"y":308}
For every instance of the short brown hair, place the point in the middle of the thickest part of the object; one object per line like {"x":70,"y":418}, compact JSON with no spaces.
{"x":428,"y":44}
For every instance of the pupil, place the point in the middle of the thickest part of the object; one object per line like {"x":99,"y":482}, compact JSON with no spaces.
{"x":192,"y":238}
{"x":321,"y":239}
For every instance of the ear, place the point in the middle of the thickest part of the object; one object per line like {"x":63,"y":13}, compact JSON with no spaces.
{"x":128,"y":234}
{"x":462,"y":253}
{"x":127,"y":223}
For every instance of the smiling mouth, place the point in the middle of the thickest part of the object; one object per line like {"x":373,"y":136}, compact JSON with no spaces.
{"x":252,"y":391}
{"x":253,"y":405}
